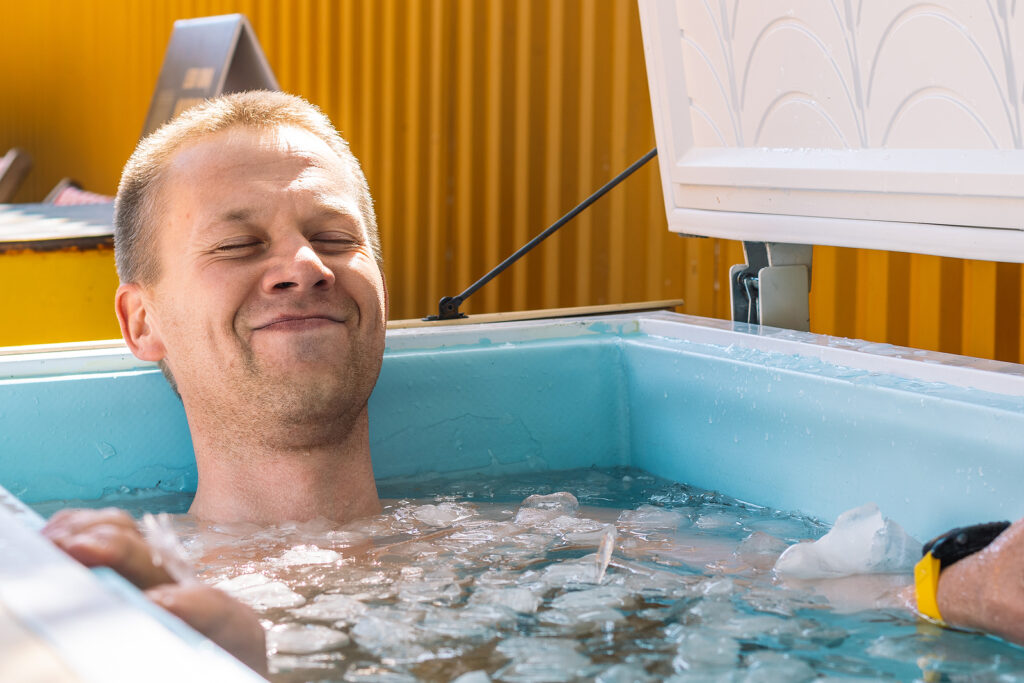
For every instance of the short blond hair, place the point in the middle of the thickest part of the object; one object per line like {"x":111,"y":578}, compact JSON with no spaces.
{"x":137,"y":210}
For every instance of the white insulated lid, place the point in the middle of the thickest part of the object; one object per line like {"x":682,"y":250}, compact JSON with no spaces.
{"x":882,"y":124}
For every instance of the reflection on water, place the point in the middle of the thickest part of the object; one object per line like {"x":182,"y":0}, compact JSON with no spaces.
{"x":611,"y":575}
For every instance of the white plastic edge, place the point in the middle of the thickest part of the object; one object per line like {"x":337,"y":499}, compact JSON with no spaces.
{"x":927,"y":366}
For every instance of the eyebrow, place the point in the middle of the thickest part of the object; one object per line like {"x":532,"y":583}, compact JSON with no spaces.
{"x":236,"y":216}
{"x":323,"y":210}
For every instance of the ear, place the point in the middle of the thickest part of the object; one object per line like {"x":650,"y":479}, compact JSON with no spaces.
{"x":137,"y":327}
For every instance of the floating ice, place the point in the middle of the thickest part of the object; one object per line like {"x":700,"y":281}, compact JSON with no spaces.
{"x":650,"y":517}
{"x":760,"y":550}
{"x":563,"y":502}
{"x":604,"y":553}
{"x":498,"y":616}
{"x":164,"y":546}
{"x":680,"y":601}
{"x":720,"y":519}
{"x":259,"y":592}
{"x":603,"y":596}
{"x":579,"y":571}
{"x":589,"y":532}
{"x":517,"y":599}
{"x":581,"y":620}
{"x":301,"y":639}
{"x":308,"y":554}
{"x":473,"y":677}
{"x":541,"y":659}
{"x":860,"y":542}
{"x":391,"y":638}
{"x":449,"y":623}
{"x":442,"y":514}
{"x":624,"y":673}
{"x":437,"y":586}
{"x":331,"y":607}
{"x":536,"y":509}
{"x":775,"y":667}
{"x":698,"y":651}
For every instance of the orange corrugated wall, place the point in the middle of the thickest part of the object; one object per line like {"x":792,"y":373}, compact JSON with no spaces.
{"x":478,"y":124}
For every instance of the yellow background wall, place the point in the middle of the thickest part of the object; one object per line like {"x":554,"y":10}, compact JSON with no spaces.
{"x":478,"y":124}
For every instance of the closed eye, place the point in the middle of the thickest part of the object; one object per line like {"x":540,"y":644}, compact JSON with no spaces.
{"x":237,"y":248}
{"x":334,"y":241}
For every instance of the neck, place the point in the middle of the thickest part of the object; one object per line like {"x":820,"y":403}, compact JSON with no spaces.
{"x":251,"y":476}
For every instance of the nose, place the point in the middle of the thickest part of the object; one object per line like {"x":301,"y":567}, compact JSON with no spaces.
{"x":298,"y":267}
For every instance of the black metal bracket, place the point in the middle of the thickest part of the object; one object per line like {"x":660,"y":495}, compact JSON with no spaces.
{"x":448,"y":307}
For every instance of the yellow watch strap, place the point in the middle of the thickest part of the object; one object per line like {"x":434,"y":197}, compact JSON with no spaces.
{"x":926,"y":585}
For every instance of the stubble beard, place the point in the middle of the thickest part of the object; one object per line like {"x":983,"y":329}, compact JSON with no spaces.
{"x":305,"y":409}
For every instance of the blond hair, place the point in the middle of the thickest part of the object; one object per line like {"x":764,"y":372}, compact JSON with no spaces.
{"x":137,"y":210}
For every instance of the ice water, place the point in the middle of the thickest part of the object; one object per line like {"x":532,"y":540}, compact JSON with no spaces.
{"x":609,"y":575}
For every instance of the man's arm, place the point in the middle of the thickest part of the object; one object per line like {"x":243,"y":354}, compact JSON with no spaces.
{"x":985,"y":591}
{"x":110,"y":538}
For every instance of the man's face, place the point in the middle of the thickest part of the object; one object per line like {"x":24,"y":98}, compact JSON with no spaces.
{"x":268,"y":290}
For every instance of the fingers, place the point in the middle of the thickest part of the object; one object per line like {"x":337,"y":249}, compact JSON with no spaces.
{"x":110,"y":538}
{"x":106,"y":538}
{"x":219,"y":617}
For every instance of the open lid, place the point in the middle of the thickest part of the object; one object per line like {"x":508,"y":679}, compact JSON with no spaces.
{"x":888,"y":125}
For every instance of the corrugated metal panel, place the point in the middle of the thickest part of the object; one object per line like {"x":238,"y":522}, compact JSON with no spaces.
{"x":478,"y":124}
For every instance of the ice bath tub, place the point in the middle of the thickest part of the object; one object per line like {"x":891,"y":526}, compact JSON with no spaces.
{"x":785,"y":419}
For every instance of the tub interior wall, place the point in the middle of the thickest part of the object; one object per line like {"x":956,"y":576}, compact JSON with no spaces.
{"x":502,"y":408}
{"x":79,"y":436}
{"x":814,"y":441}
{"x":820,"y":444}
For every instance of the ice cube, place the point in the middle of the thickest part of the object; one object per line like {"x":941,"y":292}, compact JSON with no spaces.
{"x":473,"y":677}
{"x":536,"y":510}
{"x":581,"y":620}
{"x":604,"y":553}
{"x":604,"y":596}
{"x":720,"y":519}
{"x":307,"y":554}
{"x":651,"y":517}
{"x":541,"y":659}
{"x":442,"y":514}
{"x":259,"y":592}
{"x":661,"y":585}
{"x":760,"y":550}
{"x":698,"y":651}
{"x":498,"y":616}
{"x":300,"y":639}
{"x":860,"y":542}
{"x":331,"y":607}
{"x":561,"y":574}
{"x":565,"y":524}
{"x":775,"y":667}
{"x":563,"y":502}
{"x":624,"y":673}
{"x":391,"y":638}
{"x":517,"y":599}
{"x":589,"y":534}
{"x":438,"y":586}
{"x":449,"y":623}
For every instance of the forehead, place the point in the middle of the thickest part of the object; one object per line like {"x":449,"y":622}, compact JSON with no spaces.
{"x":256,"y":159}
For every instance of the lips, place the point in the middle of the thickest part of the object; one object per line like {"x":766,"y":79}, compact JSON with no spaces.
{"x":298,"y":321}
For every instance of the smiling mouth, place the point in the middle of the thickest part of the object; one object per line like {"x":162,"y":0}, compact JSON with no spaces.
{"x":298,"y":323}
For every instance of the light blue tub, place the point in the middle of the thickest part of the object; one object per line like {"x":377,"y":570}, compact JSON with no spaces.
{"x":785,"y":419}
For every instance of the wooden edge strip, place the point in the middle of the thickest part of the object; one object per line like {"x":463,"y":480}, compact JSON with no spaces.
{"x":541,"y":314}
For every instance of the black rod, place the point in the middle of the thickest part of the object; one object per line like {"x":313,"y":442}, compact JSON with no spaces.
{"x":448,"y":307}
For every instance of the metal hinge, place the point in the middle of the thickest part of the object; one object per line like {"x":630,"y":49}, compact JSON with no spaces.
{"x":773,"y":287}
